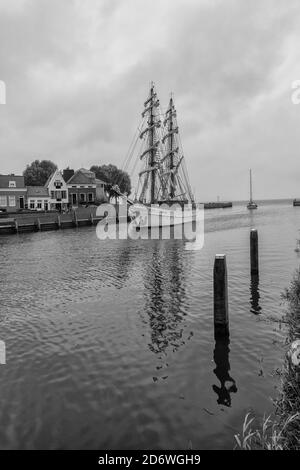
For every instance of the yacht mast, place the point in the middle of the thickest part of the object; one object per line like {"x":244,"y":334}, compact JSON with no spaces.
{"x":250,"y":185}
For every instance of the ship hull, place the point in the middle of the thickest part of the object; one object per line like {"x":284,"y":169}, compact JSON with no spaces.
{"x":155,"y":216}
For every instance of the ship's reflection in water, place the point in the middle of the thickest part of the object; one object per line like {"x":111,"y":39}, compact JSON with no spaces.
{"x":165,"y":296}
{"x":166,"y":305}
{"x":255,"y":295}
{"x":227,"y":383}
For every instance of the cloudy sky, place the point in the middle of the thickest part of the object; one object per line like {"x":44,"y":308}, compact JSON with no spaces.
{"x":78,"y":71}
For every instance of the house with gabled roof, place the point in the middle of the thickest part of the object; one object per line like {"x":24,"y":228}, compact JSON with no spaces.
{"x":58,"y":191}
{"x":84,"y":188}
{"x":52,"y":196}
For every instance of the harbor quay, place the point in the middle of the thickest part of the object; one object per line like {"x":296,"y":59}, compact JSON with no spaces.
{"x":35,"y":221}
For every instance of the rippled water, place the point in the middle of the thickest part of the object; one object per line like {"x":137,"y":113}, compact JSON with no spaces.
{"x":110,"y":344}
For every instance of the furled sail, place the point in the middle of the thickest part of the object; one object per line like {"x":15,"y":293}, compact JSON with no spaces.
{"x":175,"y":178}
{"x":149,"y":177}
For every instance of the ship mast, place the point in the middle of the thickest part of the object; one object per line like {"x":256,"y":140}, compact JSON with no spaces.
{"x":177,"y":186}
{"x":150,"y":154}
{"x":170,"y":114}
{"x":250,"y":185}
{"x":152,"y":161}
{"x":171,"y":151}
{"x":164,"y":176}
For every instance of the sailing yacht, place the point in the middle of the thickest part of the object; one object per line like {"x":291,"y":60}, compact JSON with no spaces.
{"x":251,"y":204}
{"x":163,"y":186}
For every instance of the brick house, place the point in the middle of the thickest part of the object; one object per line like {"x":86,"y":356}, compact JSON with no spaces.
{"x":84,"y":188}
{"x":13,"y":193}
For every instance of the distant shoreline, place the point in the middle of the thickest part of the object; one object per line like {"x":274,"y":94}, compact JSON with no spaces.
{"x":245,"y":201}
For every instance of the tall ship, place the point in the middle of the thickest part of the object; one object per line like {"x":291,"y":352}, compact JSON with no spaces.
{"x":251,"y":204}
{"x":163,"y":186}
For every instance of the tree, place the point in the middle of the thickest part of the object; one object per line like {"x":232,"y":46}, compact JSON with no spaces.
{"x":37,"y":173}
{"x":112,"y":175}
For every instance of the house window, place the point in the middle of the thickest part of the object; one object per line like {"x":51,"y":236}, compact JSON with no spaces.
{"x":58,"y":184}
{"x":31,"y":205}
{"x":91,"y":197}
{"x":39,"y":205}
{"x":3,"y":201}
{"x":64,"y":194}
{"x":12,"y":184}
{"x":12,"y":201}
{"x":52,"y":194}
{"x":82,"y":197}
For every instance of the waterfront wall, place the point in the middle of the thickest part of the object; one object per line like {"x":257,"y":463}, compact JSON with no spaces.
{"x":30,"y":222}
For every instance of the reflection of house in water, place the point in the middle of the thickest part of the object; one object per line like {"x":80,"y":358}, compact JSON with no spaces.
{"x":255,"y":295}
{"x":227,"y":383}
{"x":165,"y":296}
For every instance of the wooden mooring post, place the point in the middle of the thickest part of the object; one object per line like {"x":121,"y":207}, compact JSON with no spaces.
{"x":92,"y":218}
{"x":38,"y":224}
{"x":221,"y":321}
{"x":58,"y":222}
{"x":16,"y":226}
{"x":254,"y":251}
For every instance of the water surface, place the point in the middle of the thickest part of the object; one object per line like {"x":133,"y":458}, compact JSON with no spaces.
{"x":110,"y":344}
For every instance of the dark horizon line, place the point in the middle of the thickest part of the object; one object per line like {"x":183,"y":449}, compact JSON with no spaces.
{"x":247,"y":200}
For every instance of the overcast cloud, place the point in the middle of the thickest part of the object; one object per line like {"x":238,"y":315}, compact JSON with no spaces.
{"x":77,"y":74}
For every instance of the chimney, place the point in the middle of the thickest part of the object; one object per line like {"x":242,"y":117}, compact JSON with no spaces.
{"x":67,"y":174}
